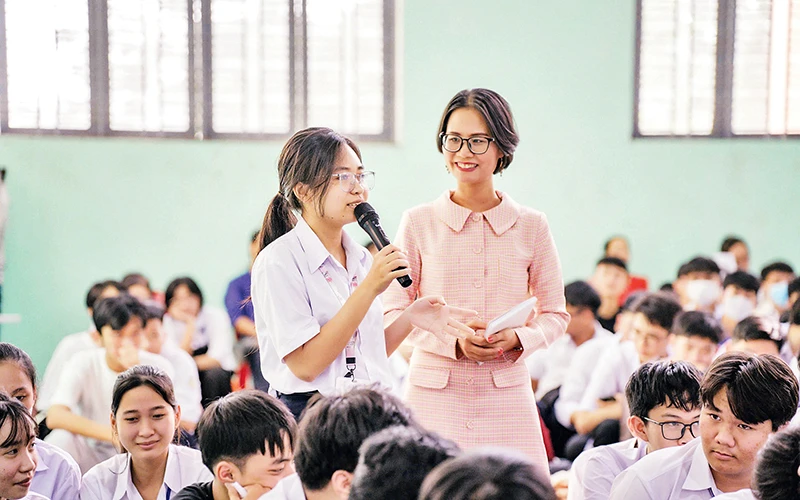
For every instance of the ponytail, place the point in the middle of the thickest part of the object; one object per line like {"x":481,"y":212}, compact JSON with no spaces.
{"x":278,"y":221}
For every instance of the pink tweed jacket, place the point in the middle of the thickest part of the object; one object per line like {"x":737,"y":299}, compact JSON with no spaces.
{"x":487,"y":262}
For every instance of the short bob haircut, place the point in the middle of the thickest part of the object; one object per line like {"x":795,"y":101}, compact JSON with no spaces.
{"x":188,"y":283}
{"x":759,"y":388}
{"x":23,"y":426}
{"x":673,"y":384}
{"x":98,"y":288}
{"x":488,"y":474}
{"x":495,"y":111}
{"x":117,"y":312}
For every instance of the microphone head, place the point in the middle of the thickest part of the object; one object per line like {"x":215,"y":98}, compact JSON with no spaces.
{"x":364,"y":212}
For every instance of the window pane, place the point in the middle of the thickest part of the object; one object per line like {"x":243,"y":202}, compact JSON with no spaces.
{"x":250,"y":79}
{"x":148,"y":65}
{"x":677,"y":67}
{"x":346,"y":65}
{"x":48,"y":64}
{"x":793,"y":87}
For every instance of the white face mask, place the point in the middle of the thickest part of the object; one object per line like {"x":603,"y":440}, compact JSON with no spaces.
{"x":703,"y":293}
{"x":737,"y":307}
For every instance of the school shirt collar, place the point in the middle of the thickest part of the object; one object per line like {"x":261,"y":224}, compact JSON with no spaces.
{"x":172,"y":477}
{"x":501,"y":218}
{"x":315,"y":251}
{"x":699,"y":477}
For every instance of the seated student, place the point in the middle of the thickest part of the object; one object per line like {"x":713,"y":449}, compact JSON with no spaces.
{"x":186,"y":381}
{"x":146,"y":420}
{"x":738,"y":299}
{"x":487,"y":474}
{"x":564,"y":368}
{"x":331,"y":432}
{"x":773,"y":295}
{"x":18,"y":458}
{"x":74,"y":343}
{"x":776,"y":476}
{"x":623,"y":327}
{"x":746,"y":398}
{"x":738,"y":248}
{"x":202,"y":331}
{"x":394,"y":462}
{"x":617,"y":246}
{"x":599,"y":413}
{"x":699,"y":285}
{"x":664,"y":402}
{"x":758,"y":336}
{"x":78,"y":412}
{"x":138,"y":285}
{"x":695,"y":338}
{"x":240,"y":311}
{"x":57,"y":475}
{"x":610,"y":280}
{"x":247,"y":439}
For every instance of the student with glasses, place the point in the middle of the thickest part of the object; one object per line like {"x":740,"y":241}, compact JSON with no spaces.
{"x":315,"y":291}
{"x":664,"y":402}
{"x":481,"y":250}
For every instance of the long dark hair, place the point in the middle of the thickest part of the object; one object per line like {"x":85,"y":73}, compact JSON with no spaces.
{"x":308,"y":158}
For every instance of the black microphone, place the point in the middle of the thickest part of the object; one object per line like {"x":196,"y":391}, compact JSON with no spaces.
{"x":368,"y":219}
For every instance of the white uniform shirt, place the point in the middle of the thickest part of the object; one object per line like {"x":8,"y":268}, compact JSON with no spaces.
{"x":111,"y":480}
{"x":292,"y":300}
{"x":737,"y":495}
{"x":66,"y":349}
{"x":212,"y":329}
{"x":679,"y":473}
{"x":594,"y":471}
{"x":289,"y":488}
{"x":57,"y":476}
{"x":617,"y":363}
{"x":186,"y":381}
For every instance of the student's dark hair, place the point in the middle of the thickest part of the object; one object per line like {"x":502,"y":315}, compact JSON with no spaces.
{"x":581,"y":294}
{"x":117,"y":311}
{"x":23,"y":426}
{"x":12,"y":353}
{"x":136,"y":279}
{"x":98,"y":288}
{"x":742,"y":280}
{"x":613,"y":239}
{"x":755,"y":328}
{"x":781,"y":267}
{"x":698,"y":265}
{"x":495,"y":111}
{"x":632,"y":299}
{"x":309,"y":158}
{"x":334,"y":427}
{"x":242,"y":424}
{"x":154,"y":310}
{"x":488,"y":474}
{"x":186,"y":281}
{"x":729,"y":242}
{"x":697,"y":324}
{"x":759,"y":388}
{"x":147,"y":376}
{"x":666,"y":287}
{"x":394,"y":462}
{"x":794,"y":314}
{"x":660,"y":308}
{"x":794,"y":286}
{"x":613,"y":261}
{"x":668,"y":383}
{"x":776,"y":473}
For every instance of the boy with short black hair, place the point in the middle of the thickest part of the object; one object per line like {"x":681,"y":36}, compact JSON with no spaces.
{"x":664,"y":402}
{"x":699,"y":284}
{"x":610,"y":279}
{"x":739,"y":299}
{"x":246,"y":438}
{"x":695,"y":338}
{"x":774,"y":292}
{"x":746,"y":398}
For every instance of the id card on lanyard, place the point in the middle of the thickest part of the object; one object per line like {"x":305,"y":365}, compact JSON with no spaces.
{"x":348,"y":380}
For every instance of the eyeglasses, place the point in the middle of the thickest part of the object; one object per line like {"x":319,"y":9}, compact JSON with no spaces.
{"x":674,"y":431}
{"x":453,"y":143}
{"x":347,"y":180}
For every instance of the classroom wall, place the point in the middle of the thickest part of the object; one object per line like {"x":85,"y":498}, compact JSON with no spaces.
{"x":84,"y":209}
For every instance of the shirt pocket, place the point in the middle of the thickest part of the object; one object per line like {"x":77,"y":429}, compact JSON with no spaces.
{"x":512,"y":376}
{"x":429,"y":377}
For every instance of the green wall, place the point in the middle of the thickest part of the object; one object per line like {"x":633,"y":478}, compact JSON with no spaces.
{"x":86,"y":209}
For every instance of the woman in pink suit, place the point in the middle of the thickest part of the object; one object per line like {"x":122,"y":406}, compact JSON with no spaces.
{"x":480,"y":250}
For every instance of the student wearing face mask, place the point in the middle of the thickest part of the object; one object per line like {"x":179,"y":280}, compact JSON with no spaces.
{"x":698,"y":285}
{"x":738,"y":300}
{"x":773,"y":297}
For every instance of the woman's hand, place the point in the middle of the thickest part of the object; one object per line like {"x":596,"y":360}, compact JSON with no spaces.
{"x":478,"y":348}
{"x":432,"y":314}
{"x":385,"y":268}
{"x":507,"y":340}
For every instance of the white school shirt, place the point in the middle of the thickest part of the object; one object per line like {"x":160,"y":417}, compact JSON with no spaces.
{"x":292,"y":299}
{"x":678,"y":473}
{"x":617,"y":363}
{"x":212,"y":329}
{"x":186,"y":382}
{"x":67,"y":347}
{"x":57,"y":476}
{"x":288,"y":488}
{"x":34,"y":496}
{"x":746,"y":494}
{"x":594,"y":471}
{"x":111,"y":480}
